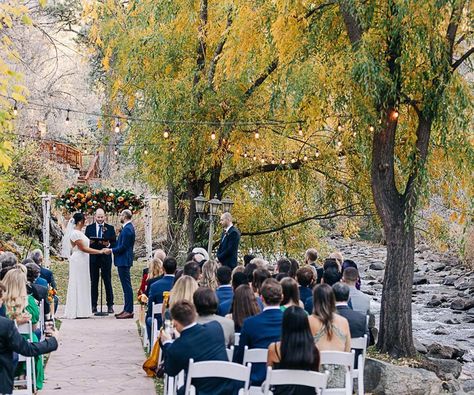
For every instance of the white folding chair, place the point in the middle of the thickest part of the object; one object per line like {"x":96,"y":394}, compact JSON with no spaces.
{"x":359,"y":343}
{"x":156,"y":309}
{"x":295,"y":377}
{"x":26,"y":329}
{"x":219,"y":369}
{"x":340,"y":358}
{"x":41,"y":322}
{"x":230,"y":353}
{"x":255,"y":355}
{"x":236,"y":339}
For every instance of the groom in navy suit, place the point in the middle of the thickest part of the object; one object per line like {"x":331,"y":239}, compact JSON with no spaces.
{"x":123,"y":259}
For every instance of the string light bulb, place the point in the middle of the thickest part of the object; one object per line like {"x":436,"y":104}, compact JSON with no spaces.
{"x":54,"y":147}
{"x":394,"y":115}
{"x":339,"y":128}
{"x":245,"y":154}
{"x":293,"y":160}
{"x":305,"y":158}
{"x":262,"y":161}
{"x":23,"y":143}
{"x":117,"y":125}
{"x":317,"y":154}
{"x":213,"y":135}
{"x":145,"y":152}
{"x":339,"y":144}
{"x":15,"y":110}
{"x":166,"y":134}
{"x":254,"y":158}
{"x":354,"y":134}
{"x":300,"y":130}
{"x":273,"y":161}
{"x":371,"y":128}
{"x":283,"y":161}
{"x":67,"y":117}
{"x":85,"y":150}
{"x":257,"y":135}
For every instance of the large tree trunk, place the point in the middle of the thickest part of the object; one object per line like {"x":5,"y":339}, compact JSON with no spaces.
{"x":175,"y":221}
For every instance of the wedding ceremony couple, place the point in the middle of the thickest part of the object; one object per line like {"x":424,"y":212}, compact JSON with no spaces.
{"x":92,"y":252}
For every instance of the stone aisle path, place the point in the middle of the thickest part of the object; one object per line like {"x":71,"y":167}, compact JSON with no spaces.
{"x":100,"y":355}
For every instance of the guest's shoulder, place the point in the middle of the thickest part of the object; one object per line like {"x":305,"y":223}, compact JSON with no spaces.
{"x":6,"y":324}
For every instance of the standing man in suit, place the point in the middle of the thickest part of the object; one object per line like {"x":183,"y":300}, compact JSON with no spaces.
{"x":262,"y":329}
{"x":229,"y":245}
{"x":199,"y":342}
{"x":123,"y":259}
{"x":101,"y":265}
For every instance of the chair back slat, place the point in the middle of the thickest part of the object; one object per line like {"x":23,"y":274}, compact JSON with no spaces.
{"x":255,"y":355}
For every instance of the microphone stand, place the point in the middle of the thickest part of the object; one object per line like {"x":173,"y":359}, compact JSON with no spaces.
{"x":101,"y":313}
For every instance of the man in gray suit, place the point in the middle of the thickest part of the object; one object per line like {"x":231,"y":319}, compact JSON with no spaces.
{"x":360,"y":301}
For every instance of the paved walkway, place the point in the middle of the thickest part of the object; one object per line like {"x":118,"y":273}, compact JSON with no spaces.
{"x":100,"y":355}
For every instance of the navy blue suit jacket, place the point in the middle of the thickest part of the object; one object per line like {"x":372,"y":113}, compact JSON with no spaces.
{"x":259,"y":331}
{"x":305,"y":293}
{"x":108,"y":233}
{"x":201,"y":343}
{"x":48,"y":276}
{"x":229,"y":247}
{"x":123,"y":251}
{"x":225,"y":295}
{"x":155,"y":294}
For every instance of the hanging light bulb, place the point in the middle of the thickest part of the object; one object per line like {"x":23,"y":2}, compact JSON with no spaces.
{"x":117,"y":125}
{"x":371,"y":128}
{"x":166,"y":134}
{"x":293,"y":160}
{"x":15,"y":110}
{"x":85,"y":150}
{"x":273,"y":161}
{"x":173,"y":149}
{"x":339,"y":128}
{"x":116,"y":151}
{"x":254,"y":158}
{"x":67,"y":117}
{"x":23,"y":143}
{"x":305,"y":158}
{"x":339,"y":144}
{"x":283,"y":161}
{"x":245,"y":154}
{"x":145,"y":152}
{"x":54,"y":147}
{"x":317,"y":154}
{"x":354,"y":134}
{"x":300,"y":130}
{"x":257,"y":135}
{"x":394,"y":115}
{"x":213,"y":135}
{"x":262,"y":161}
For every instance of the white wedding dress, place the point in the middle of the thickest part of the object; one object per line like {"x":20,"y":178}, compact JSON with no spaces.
{"x":78,"y":302}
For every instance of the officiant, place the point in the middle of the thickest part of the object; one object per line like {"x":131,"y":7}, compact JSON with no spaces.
{"x":102,"y":235}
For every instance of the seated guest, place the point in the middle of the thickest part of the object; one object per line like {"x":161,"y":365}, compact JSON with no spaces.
{"x":349,"y":263}
{"x":199,"y":342}
{"x":261,"y":330}
{"x":360,"y":301}
{"x":39,"y":292}
{"x":337,"y":255}
{"x":291,"y":295}
{"x":155,"y":270}
{"x":192,"y":269}
{"x":244,"y":305}
{"x":330,"y":330}
{"x":224,"y":291}
{"x":331,"y":276}
{"x":248,"y":258}
{"x":205,"y":301}
{"x":155,"y":293}
{"x":183,"y":289}
{"x":283,"y":266}
{"x":45,"y":273}
{"x":209,"y":274}
{"x":238,"y":278}
{"x":357,"y":321}
{"x":259,"y":276}
{"x":238,"y":269}
{"x":296,"y":350}
{"x":8,"y":259}
{"x":294,"y":268}
{"x":38,"y":280}
{"x":144,"y":287}
{"x":305,"y":278}
{"x":249,"y":269}
{"x":260,"y":262}
{"x":11,"y":341}
{"x":159,"y":254}
{"x":200,"y":251}
{"x":310,"y":258}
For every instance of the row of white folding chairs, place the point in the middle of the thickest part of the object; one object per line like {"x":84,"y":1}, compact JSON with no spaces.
{"x":30,"y":378}
{"x":156,"y":309}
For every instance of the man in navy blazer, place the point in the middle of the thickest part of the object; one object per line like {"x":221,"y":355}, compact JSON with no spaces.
{"x":199,"y":342}
{"x":262,"y":329}
{"x":101,"y":265}
{"x":123,"y":259}
{"x":224,"y":291}
{"x":229,"y":245}
{"x":155,"y":293}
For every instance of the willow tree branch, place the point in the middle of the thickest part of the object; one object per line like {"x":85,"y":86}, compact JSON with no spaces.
{"x":218,"y":51}
{"x":261,"y":79}
{"x":458,"y":62}
{"x":342,"y":212}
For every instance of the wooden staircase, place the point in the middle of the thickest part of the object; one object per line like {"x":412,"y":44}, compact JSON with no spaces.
{"x":93,"y":172}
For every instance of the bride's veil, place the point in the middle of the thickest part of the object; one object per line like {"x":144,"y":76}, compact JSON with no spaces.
{"x":66,"y":246}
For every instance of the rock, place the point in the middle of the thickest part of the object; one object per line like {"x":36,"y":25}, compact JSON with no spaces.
{"x":419,"y":279}
{"x":449,"y":280}
{"x":377,"y":266}
{"x":447,"y":366}
{"x":437,"y":350}
{"x":439,"y":266}
{"x":468,"y":386}
{"x":434,"y":302}
{"x":452,"y":386}
{"x":419,"y":346}
{"x":440,"y":331}
{"x":463,"y":283}
{"x":462,"y":304}
{"x":384,"y":378}
{"x":452,"y":321}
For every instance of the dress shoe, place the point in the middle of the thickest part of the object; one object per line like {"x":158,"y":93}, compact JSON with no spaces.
{"x":124,"y":316}
{"x":110,"y":310}
{"x":117,"y":314}
{"x":94,"y":310}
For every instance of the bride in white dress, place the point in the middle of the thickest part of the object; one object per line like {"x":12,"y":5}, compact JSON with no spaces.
{"x":78,"y":302}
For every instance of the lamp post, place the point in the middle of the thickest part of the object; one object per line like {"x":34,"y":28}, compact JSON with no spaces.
{"x":213,"y":207}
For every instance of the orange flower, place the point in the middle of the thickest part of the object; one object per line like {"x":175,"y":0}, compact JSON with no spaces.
{"x":121,"y":199}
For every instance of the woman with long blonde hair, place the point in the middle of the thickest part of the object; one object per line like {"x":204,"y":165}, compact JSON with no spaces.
{"x":16,"y":297}
{"x":183,"y":289}
{"x":155,"y":272}
{"x":209,"y":270}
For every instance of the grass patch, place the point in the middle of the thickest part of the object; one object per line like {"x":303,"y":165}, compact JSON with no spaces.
{"x":61,"y":275}
{"x":418,"y":361}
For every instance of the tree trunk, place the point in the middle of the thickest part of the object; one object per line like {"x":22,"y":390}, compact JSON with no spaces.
{"x":175,"y":221}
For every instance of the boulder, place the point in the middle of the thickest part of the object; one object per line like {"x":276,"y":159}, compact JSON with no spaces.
{"x":452,"y":321}
{"x":419,"y":346}
{"x":437,"y":350}
{"x":439,"y":266}
{"x":468,"y":386}
{"x":463,"y":283}
{"x":447,"y":367}
{"x":377,"y":266}
{"x":440,"y":331}
{"x":384,"y":378}
{"x":449,"y":280}
{"x":419,"y":279}
{"x":434,"y":302}
{"x":462,"y":304}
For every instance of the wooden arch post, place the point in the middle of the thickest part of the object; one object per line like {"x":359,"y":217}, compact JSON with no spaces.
{"x":46,"y":226}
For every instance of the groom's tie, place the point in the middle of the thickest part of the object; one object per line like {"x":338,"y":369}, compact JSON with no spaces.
{"x":100,"y":231}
